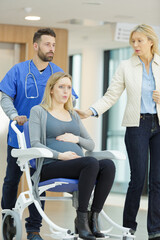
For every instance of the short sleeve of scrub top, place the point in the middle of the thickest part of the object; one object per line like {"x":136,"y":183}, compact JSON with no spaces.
{"x":9,"y":82}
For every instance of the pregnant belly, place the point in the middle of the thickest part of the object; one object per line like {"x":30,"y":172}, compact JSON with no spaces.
{"x":61,"y":146}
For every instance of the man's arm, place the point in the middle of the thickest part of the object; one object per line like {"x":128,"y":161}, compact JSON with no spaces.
{"x":9,"y":109}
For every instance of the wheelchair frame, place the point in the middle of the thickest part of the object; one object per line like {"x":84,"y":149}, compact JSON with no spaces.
{"x":26,"y":198}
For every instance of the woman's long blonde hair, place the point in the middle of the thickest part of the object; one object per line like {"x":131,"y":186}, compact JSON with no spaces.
{"x":149,"y":33}
{"x":47,"y":99}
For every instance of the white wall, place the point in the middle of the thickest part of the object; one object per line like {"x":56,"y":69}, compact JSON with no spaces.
{"x":9,"y":55}
{"x":3,"y":146}
{"x":91,"y":88}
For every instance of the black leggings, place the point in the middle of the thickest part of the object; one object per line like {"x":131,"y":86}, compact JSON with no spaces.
{"x":89,"y":171}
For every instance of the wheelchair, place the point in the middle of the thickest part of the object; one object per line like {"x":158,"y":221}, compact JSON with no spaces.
{"x":12,"y":219}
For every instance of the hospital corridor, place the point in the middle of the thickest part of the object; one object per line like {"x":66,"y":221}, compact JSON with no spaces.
{"x":80,"y":81}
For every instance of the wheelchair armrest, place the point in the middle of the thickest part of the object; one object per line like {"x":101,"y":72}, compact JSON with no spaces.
{"x":30,"y":153}
{"x":107,"y":154}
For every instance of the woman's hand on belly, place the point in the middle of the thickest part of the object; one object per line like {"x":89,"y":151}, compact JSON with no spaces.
{"x":156,"y":96}
{"x":68,"y":137}
{"x":68,"y":155}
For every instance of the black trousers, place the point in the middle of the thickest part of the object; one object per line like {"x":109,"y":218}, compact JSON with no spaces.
{"x":89,"y":171}
{"x":140,"y":140}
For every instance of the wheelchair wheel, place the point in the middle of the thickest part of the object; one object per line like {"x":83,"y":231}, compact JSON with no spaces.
{"x":11,"y":226}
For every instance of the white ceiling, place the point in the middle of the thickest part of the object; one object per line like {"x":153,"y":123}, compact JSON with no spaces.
{"x":90,"y":22}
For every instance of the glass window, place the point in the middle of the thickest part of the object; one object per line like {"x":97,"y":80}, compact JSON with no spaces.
{"x":114,"y":131}
{"x":75,"y":62}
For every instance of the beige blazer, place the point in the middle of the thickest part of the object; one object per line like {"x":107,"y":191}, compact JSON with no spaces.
{"x":129,"y":76}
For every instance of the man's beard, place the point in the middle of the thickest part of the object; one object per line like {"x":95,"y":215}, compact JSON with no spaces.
{"x":44,"y":57}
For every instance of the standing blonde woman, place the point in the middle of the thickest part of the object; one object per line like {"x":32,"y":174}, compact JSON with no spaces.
{"x":55,"y":125}
{"x":140,"y":76}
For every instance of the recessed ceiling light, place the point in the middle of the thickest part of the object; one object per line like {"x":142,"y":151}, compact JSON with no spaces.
{"x":32,"y":18}
{"x":92,"y":2}
{"x":83,"y":22}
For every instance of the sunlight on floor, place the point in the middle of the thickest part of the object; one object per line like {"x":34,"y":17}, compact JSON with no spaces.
{"x":63,"y":214}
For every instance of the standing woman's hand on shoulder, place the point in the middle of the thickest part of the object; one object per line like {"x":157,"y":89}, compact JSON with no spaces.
{"x":156,"y":96}
{"x":84,"y":113}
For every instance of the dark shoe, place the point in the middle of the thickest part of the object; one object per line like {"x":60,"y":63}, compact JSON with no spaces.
{"x":93,"y":223}
{"x":132,"y":231}
{"x":82,"y":227}
{"x":34,"y":236}
{"x":9,"y":230}
{"x":156,"y":238}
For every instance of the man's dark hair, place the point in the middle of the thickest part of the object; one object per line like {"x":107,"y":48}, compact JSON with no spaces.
{"x":43,"y":31}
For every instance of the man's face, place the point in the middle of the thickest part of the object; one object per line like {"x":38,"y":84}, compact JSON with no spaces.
{"x":45,"y":48}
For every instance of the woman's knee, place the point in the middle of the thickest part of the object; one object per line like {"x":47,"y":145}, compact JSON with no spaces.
{"x":92,"y":163}
{"x":108,"y":165}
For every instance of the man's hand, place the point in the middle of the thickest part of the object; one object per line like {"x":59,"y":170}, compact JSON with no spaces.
{"x":68,"y":155}
{"x":68,"y":137}
{"x":20,"y":119}
{"x":84,"y":114}
{"x":156,"y":96}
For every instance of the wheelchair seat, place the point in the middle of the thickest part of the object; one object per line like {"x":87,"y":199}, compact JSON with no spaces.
{"x":71,"y":186}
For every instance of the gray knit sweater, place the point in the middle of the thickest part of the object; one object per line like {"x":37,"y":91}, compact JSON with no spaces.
{"x":37,"y":131}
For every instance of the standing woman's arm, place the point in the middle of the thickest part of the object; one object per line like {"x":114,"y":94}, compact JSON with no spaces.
{"x":111,"y":96}
{"x":113,"y":92}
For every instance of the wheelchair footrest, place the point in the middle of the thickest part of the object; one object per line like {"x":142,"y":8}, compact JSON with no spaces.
{"x":62,"y":236}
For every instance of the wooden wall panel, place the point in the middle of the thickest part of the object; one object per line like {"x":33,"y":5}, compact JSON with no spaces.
{"x":24,"y":35}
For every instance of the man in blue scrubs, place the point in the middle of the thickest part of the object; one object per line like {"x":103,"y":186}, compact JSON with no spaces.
{"x":22,"y":88}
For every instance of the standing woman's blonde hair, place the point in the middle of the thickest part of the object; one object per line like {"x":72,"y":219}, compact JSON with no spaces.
{"x":47,"y":99}
{"x":149,"y":33}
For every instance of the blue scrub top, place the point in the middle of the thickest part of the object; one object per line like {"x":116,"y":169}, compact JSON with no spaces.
{"x":13,"y":84}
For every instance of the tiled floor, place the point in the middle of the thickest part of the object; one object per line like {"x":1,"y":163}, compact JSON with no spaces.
{"x":63,"y":214}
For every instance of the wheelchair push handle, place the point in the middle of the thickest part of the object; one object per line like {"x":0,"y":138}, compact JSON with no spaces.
{"x":20,"y":135}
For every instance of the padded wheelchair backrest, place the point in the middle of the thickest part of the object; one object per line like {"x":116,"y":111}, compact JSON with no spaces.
{"x":28,"y":144}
